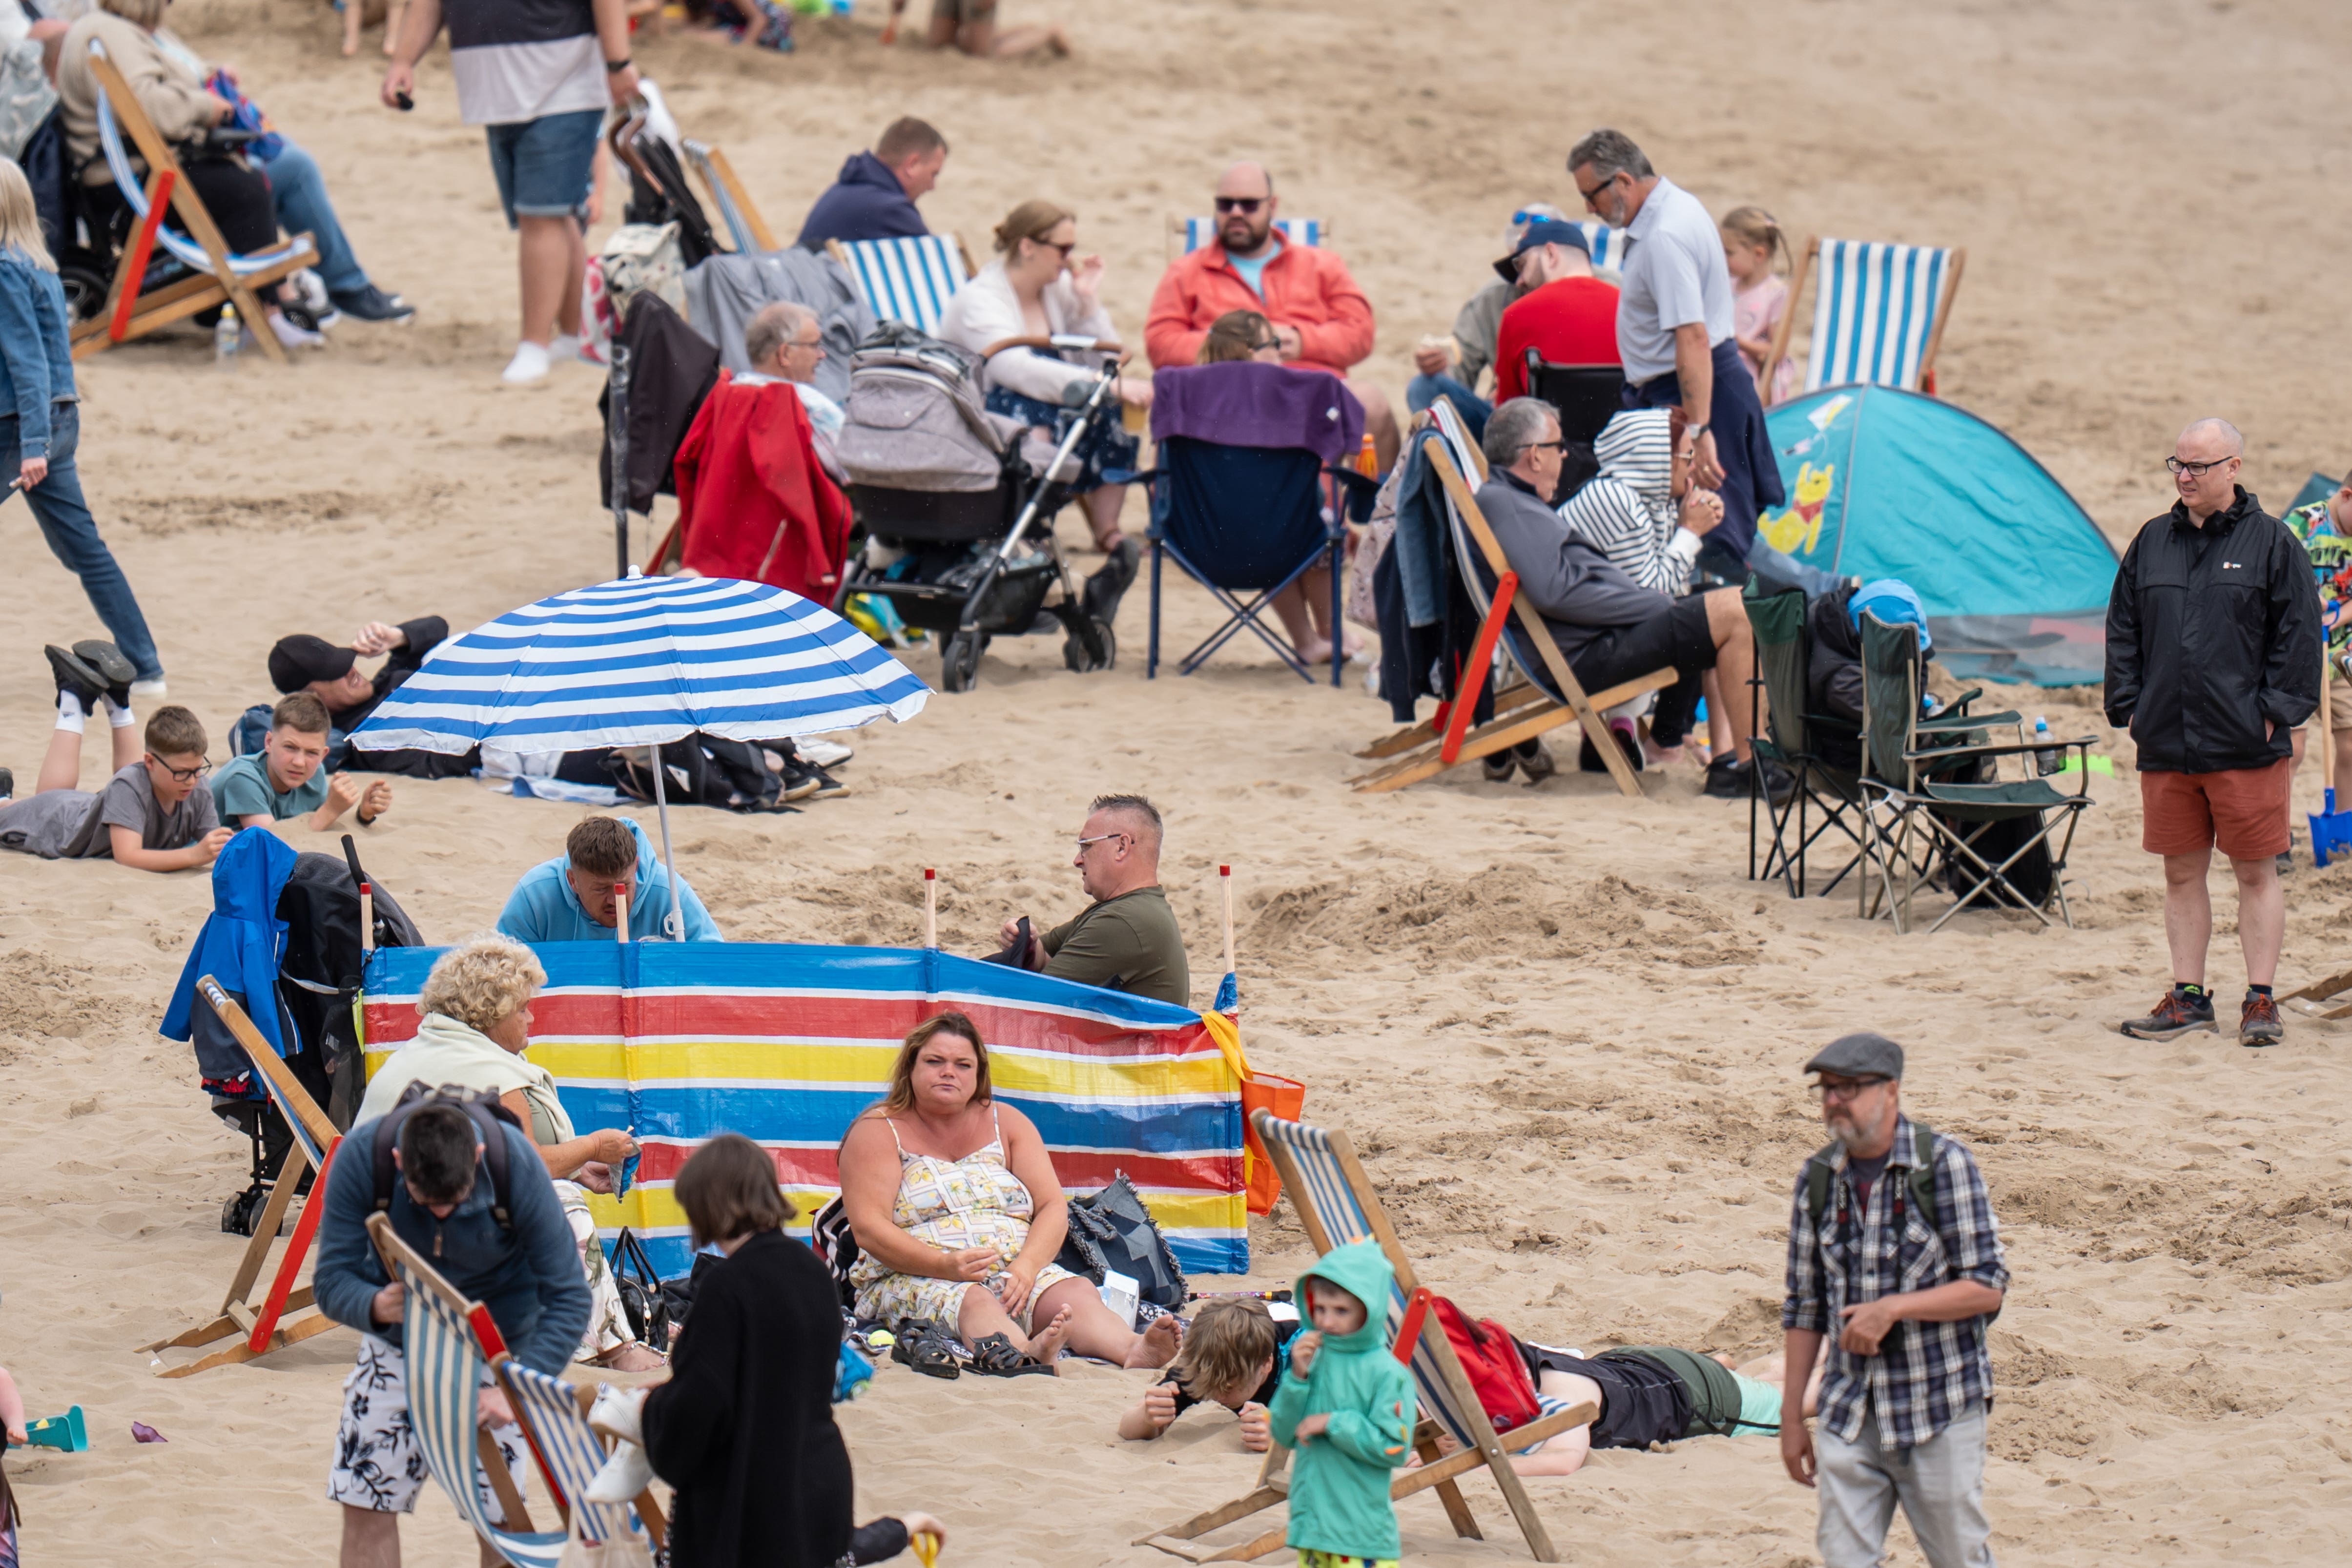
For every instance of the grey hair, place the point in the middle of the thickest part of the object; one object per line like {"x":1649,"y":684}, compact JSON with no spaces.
{"x":1609,"y":153}
{"x":772,"y":327}
{"x":1514,"y":427}
{"x":2228,"y":432}
{"x":1133,"y":806}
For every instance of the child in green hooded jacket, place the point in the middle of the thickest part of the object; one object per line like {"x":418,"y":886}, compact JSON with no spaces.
{"x":1347,"y":1406}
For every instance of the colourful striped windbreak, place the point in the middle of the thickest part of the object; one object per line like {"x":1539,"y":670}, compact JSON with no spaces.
{"x":787,"y":1044}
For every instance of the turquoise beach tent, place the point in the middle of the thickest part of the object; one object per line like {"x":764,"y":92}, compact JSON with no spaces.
{"x":1886,"y":483}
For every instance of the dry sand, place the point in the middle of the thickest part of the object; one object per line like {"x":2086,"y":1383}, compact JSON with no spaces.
{"x":1564,"y":1028}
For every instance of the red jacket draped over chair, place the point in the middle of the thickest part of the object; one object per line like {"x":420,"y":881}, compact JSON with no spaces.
{"x":752,"y":501}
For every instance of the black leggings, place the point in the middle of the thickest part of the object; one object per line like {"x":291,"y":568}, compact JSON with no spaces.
{"x":235,"y":193}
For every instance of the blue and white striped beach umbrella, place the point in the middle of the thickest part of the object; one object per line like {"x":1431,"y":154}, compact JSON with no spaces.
{"x":643,"y":661}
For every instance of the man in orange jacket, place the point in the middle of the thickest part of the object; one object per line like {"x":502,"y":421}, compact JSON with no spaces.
{"x":1320,"y":318}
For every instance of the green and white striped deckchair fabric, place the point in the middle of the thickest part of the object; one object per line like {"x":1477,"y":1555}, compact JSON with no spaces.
{"x":906,"y":280}
{"x":445,"y":1369}
{"x":568,"y":1450}
{"x":1199,"y":231}
{"x":1875,"y":309}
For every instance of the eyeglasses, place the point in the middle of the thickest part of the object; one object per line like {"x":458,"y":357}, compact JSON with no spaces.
{"x":1548,"y":446}
{"x":2196,"y":471}
{"x":1083,"y":844}
{"x":1848,"y":1089}
{"x":817,"y":343}
{"x":1240,"y":203}
{"x":181,"y":775}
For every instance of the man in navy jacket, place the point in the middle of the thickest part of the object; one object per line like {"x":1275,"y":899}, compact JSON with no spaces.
{"x":875,"y":196}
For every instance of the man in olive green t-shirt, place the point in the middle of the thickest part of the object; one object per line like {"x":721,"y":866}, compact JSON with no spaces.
{"x":1126,"y":939}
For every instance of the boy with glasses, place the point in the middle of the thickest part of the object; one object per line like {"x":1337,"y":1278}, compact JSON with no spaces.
{"x":155,"y":813}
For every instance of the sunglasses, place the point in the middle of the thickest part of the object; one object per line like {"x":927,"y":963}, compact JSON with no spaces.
{"x":1240,"y":203}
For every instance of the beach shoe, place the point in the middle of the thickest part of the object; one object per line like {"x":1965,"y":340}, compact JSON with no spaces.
{"x":922,"y":1345}
{"x":2174,"y":1016}
{"x":155,"y":687}
{"x":7,"y":784}
{"x":2259,"y":1025}
{"x":2285,"y":862}
{"x":1629,"y":740}
{"x":823,"y":753}
{"x":1499,"y":767}
{"x":619,"y":1413}
{"x":293,"y":334}
{"x":107,"y":660}
{"x":1728,"y":779}
{"x":75,"y":676}
{"x":372,"y":304}
{"x":1535,"y":761}
{"x":530,"y":364}
{"x":992,"y":1355}
{"x":624,"y":1476}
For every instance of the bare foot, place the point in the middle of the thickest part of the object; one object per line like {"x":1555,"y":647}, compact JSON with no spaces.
{"x":634,"y":1356}
{"x":1046,"y":1346}
{"x":1155,"y":1346}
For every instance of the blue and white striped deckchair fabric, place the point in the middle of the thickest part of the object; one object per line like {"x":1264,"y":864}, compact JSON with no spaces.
{"x":569,"y":1452}
{"x":1466,"y":458}
{"x":135,"y":193}
{"x":1196,"y":232}
{"x":1874,"y":312}
{"x":1607,"y":245}
{"x":909,"y":279}
{"x":444,"y":1378}
{"x":738,"y":229}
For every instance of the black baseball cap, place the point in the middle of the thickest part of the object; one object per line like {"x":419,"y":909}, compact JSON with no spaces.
{"x":1859,"y":1056}
{"x":302,"y":658}
{"x":1543,"y":231}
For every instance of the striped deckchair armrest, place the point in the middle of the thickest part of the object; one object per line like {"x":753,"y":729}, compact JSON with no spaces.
{"x":907,"y":279}
{"x":1191,"y":233}
{"x":1875,"y":309}
{"x":439,"y":1329}
{"x":1607,"y":245}
{"x":1336,"y":1203}
{"x":568,"y":1450}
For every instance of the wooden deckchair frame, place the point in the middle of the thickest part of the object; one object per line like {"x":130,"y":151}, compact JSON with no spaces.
{"x":716,"y":175}
{"x":265,"y":1324}
{"x":1424,"y":750}
{"x":583,"y":1394}
{"x":1805,"y":259}
{"x":184,"y":297}
{"x":1437,"y":1469}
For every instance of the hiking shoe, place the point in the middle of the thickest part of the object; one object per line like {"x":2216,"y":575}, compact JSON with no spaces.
{"x":73,"y":675}
{"x":106,"y":661}
{"x":1499,"y":767}
{"x":1535,"y":761}
{"x":371,"y":304}
{"x":2259,"y":1025}
{"x":2176,"y":1015}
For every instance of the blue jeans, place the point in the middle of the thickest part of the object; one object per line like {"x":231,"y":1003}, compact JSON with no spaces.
{"x":1423,"y":390}
{"x":299,"y":193}
{"x":73,"y":538}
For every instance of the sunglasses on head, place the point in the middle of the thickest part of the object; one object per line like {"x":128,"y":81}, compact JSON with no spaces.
{"x":1240,"y":203}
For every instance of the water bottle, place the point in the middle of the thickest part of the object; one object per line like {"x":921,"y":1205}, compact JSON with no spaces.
{"x":2047,"y":758}
{"x":229,"y":337}
{"x":1367,"y":459}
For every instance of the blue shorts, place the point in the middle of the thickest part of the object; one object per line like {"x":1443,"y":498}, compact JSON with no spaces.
{"x":543,"y":166}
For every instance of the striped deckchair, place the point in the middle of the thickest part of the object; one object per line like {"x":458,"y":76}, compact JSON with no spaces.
{"x":908,"y":281}
{"x":444,"y":1338}
{"x":749,"y":230}
{"x":1337,"y":1202}
{"x":1607,"y":245}
{"x":265,"y":1327}
{"x":554,"y":1415}
{"x":1187,"y":234}
{"x":1878,"y":314}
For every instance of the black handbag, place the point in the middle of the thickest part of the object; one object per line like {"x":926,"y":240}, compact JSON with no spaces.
{"x":642,"y":1302}
{"x":1113,"y":1230}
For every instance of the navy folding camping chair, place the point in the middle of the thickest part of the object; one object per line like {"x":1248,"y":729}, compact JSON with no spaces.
{"x":1245,"y":521}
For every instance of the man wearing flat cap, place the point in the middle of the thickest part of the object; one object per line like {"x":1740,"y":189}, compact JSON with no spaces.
{"x":1895,"y":1260}
{"x":331,"y":672}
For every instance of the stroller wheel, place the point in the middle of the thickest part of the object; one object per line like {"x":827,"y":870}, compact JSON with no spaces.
{"x":1075,"y":655}
{"x":959,"y":662}
{"x":242,"y":1213}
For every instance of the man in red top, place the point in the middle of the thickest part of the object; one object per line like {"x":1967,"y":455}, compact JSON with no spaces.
{"x":1320,"y":318}
{"x":1568,"y":316}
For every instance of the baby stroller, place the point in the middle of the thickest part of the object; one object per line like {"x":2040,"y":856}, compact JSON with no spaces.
{"x":958,"y":521}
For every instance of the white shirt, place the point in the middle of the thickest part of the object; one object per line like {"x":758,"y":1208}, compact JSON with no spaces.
{"x":985,"y":310}
{"x":1674,"y":275}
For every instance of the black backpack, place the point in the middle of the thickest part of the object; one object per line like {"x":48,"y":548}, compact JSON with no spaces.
{"x":482,"y":1109}
{"x":1822,"y":1167}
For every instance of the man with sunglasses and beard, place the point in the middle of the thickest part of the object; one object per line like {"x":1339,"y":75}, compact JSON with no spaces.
{"x":1320,"y":318}
{"x":1895,"y":1260}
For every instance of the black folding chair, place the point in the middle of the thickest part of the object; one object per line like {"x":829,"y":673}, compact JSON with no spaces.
{"x":1783,"y":658}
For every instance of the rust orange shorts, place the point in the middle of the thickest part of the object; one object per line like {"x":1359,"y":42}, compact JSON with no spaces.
{"x":2242,"y":812}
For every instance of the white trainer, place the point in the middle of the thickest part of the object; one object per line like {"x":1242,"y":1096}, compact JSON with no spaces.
{"x":531,"y":363}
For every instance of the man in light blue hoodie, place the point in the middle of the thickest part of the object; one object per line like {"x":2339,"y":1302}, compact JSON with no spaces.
{"x":573,"y":897}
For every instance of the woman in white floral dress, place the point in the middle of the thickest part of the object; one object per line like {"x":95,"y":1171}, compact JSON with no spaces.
{"x":958,"y":1215}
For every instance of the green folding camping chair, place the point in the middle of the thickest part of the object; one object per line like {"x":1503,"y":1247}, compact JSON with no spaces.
{"x":1783,"y":658}
{"x":1941,"y":802}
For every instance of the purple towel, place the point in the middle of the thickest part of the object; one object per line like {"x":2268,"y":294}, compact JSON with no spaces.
{"x":1246,"y":404}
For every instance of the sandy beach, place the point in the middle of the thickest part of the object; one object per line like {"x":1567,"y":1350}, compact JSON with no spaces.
{"x":1564,"y":1028}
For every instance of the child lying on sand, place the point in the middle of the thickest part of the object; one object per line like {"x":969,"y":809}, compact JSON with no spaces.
{"x":1232,"y":1357}
{"x":155,"y":813}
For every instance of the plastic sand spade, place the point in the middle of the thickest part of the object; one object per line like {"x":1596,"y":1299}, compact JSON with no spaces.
{"x":2331,"y":830}
{"x":927,"y":1547}
{"x":65,"y":1432}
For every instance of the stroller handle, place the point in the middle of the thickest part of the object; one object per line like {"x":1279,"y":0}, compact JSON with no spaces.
{"x":1056,"y":345}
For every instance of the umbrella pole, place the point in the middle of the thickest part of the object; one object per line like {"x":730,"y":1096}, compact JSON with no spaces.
{"x":673,"y":923}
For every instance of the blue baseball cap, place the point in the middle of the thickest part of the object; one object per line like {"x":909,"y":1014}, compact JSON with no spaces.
{"x":1542,"y":232}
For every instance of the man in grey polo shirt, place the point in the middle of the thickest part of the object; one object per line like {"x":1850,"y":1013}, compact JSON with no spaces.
{"x":1674,"y":335}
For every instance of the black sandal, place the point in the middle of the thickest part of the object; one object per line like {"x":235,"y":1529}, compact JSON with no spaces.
{"x":918,"y":1344}
{"x":992,"y":1355}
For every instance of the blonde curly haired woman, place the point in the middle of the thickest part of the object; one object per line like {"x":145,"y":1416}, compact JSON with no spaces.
{"x":476,"y":1029}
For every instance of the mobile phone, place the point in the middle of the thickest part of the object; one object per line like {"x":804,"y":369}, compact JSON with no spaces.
{"x":405,"y":101}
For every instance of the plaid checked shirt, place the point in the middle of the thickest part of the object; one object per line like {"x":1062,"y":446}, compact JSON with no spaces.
{"x":1924,"y":1375}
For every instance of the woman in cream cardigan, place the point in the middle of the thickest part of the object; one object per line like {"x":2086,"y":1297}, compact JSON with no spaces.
{"x":1034,"y":288}
{"x":476,"y":1026}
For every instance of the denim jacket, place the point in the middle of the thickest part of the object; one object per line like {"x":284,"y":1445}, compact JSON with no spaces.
{"x":36,"y":358}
